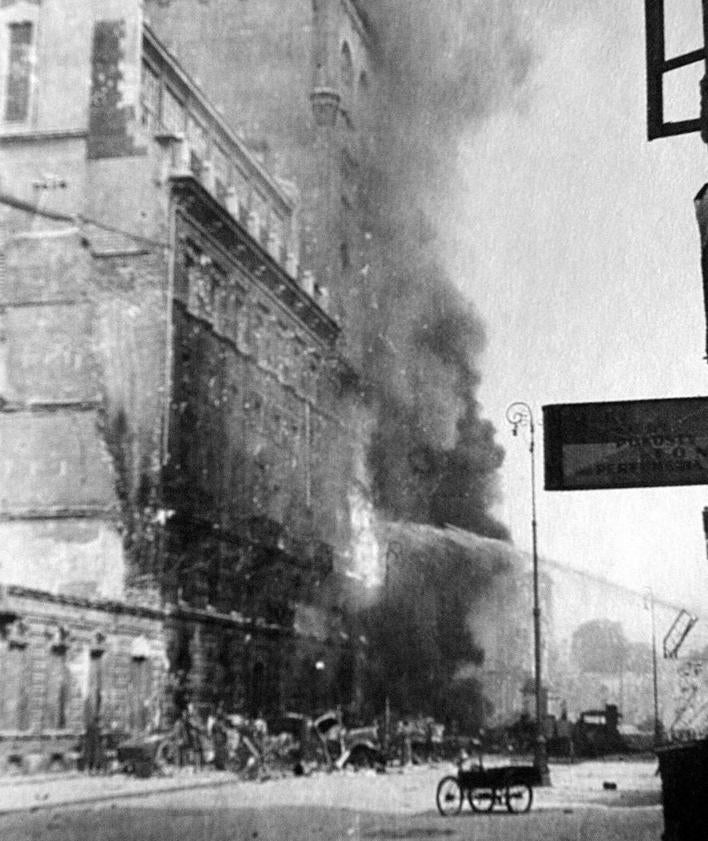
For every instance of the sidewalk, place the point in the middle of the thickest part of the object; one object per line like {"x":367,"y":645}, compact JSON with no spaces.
{"x":46,"y":791}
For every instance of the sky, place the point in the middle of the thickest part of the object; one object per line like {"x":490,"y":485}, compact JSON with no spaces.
{"x":576,"y":240}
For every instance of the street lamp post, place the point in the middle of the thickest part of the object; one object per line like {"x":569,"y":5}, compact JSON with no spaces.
{"x":519,"y":414}
{"x":649,"y":605}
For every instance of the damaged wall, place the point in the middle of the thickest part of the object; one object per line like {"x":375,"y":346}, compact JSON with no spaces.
{"x":82,"y":374}
{"x":251,"y":525}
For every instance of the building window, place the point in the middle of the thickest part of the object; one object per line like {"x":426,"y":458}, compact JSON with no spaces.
{"x":198,"y":145}
{"x":363,"y":91}
{"x":222,"y":176}
{"x":259,"y":206}
{"x":57,"y":688}
{"x":260,"y":339}
{"x":14,"y":691}
{"x":344,"y":255}
{"x":240,"y":184}
{"x":19,"y":73}
{"x":347,"y":67}
{"x":173,"y":114}
{"x":231,"y":319}
{"x":276,"y":239}
{"x":150,"y":99}
{"x":139,"y":693}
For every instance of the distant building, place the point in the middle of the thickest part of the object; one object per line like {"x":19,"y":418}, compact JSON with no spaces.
{"x":176,"y":440}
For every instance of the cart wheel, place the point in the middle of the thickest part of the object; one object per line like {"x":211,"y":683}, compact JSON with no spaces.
{"x":449,"y":796}
{"x":482,"y":799}
{"x":519,"y":797}
{"x":165,"y":757}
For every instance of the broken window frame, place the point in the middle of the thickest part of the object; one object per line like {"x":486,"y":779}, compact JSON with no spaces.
{"x":658,"y":65}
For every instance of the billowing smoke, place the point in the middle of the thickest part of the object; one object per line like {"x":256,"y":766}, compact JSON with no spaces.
{"x":444,"y":67}
{"x":418,"y":633}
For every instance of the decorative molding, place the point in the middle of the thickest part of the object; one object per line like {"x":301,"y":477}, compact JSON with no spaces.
{"x":220,"y":226}
{"x":16,"y":634}
{"x":98,"y":645}
{"x":58,"y":637}
{"x":23,"y":136}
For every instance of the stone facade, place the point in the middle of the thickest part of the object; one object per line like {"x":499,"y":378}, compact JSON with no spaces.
{"x":66,"y":659}
{"x":308,"y":112}
{"x":176,"y":466}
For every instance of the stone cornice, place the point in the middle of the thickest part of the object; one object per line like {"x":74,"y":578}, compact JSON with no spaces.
{"x":12,"y":597}
{"x":158,"y":52}
{"x":9,"y":137}
{"x":261,"y":267}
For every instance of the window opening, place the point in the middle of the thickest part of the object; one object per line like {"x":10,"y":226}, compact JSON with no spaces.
{"x":347,"y":66}
{"x":19,"y":73}
{"x":173,"y":114}
{"x":57,"y":696}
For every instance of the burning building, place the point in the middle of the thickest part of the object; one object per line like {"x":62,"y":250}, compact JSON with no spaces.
{"x":172,"y":394}
{"x":226,"y":345}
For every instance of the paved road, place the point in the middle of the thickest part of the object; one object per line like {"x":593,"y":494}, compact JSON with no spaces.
{"x":344,"y":807}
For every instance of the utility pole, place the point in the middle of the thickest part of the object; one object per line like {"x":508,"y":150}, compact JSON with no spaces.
{"x":520,"y":414}
{"x":649,"y":605}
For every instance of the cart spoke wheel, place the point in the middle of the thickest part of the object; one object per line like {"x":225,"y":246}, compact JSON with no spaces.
{"x":449,"y":796}
{"x":519,"y":797}
{"x":165,"y":756}
{"x":481,"y":799}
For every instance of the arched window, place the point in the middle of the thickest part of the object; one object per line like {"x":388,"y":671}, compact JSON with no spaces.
{"x":363,"y":85}
{"x":347,"y":67}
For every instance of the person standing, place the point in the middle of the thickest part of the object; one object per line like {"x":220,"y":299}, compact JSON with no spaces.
{"x":93,"y":752}
{"x":219,"y":737}
{"x":194,"y":733}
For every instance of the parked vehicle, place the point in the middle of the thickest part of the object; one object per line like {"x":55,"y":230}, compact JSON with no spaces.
{"x":148,"y":753}
{"x":484,"y":788}
{"x":357,"y":747}
{"x":596,"y":733}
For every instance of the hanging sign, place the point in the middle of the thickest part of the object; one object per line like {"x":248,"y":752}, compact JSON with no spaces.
{"x":630,"y":444}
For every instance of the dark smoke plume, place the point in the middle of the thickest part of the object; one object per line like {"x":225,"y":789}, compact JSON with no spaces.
{"x":445,"y":65}
{"x":419,"y":633}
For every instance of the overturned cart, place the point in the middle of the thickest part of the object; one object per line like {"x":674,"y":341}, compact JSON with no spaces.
{"x":483,"y":788}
